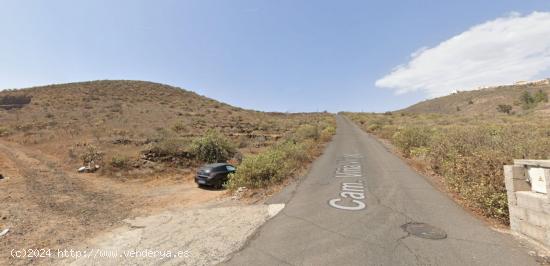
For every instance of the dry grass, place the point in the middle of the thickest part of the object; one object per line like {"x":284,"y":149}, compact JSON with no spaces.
{"x":467,"y":152}
{"x":484,"y":101}
{"x":147,"y":137}
{"x":124,"y":119}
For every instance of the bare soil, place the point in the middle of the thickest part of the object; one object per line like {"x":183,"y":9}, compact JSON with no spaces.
{"x":48,"y":206}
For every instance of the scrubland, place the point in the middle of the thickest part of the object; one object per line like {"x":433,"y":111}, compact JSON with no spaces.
{"x":466,"y":152}
{"x":133,"y":128}
{"x":148,"y":139}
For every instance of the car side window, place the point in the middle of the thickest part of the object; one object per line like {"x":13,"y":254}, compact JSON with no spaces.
{"x":230,"y":168}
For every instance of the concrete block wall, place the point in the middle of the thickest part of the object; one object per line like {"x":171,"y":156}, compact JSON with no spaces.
{"x":529,"y":211}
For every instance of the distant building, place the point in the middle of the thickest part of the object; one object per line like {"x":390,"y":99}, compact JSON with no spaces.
{"x":534,"y":82}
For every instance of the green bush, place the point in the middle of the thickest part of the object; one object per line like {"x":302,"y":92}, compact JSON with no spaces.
{"x":271,"y":166}
{"x":540,"y":96}
{"x":284,"y":159}
{"x":259,"y":170}
{"x":529,"y":101}
{"x":296,"y":153}
{"x":212,"y":147}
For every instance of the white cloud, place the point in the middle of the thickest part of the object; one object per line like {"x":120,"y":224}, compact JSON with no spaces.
{"x":501,"y":51}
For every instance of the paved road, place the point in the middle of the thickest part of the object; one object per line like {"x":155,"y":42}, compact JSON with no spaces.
{"x":311,"y":232}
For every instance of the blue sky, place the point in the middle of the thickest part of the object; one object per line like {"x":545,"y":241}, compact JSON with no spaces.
{"x":273,"y":55}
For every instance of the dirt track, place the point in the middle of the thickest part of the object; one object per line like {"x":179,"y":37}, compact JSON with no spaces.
{"x":47,"y":206}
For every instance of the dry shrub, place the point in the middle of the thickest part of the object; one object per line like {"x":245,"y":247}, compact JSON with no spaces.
{"x":410,"y":138}
{"x":468,"y":152}
{"x":307,"y":131}
{"x":169,"y":149}
{"x":120,"y":162}
{"x":92,"y":156}
{"x":327,"y":133}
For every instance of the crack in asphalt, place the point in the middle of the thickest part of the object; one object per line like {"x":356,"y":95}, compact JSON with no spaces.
{"x":408,"y":219}
{"x":416,"y":256}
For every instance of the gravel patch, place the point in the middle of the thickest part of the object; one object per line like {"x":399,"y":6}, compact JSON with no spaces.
{"x":185,"y":237}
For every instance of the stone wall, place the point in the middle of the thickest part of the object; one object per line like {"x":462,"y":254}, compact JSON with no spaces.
{"x":529,"y":211}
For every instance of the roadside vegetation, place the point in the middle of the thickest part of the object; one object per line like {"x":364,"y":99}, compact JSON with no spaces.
{"x":466,"y":152}
{"x":285,"y":159}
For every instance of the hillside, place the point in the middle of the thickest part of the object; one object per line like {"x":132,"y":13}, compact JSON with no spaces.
{"x":483,"y":101}
{"x":122,"y":118}
{"x":148,"y":140}
{"x":462,"y":140}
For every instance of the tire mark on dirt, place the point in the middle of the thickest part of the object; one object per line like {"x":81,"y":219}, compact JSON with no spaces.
{"x":48,"y":208}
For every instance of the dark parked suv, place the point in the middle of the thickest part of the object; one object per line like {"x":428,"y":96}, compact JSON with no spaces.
{"x":214,"y":175}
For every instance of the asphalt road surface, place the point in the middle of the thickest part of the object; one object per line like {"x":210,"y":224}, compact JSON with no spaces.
{"x":353,"y":207}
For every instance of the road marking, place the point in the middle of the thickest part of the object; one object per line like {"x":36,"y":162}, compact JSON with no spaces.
{"x":274,"y":209}
{"x":352,"y":191}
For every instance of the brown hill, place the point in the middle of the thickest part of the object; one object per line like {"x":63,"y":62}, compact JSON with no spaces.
{"x":484,"y":101}
{"x":123,"y":117}
{"x":144,"y":138}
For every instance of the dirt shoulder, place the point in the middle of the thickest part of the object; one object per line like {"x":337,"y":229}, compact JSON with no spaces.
{"x":48,"y":207}
{"x":196,"y":236}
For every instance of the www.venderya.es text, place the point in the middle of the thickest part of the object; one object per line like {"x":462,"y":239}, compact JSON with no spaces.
{"x":98,"y":253}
